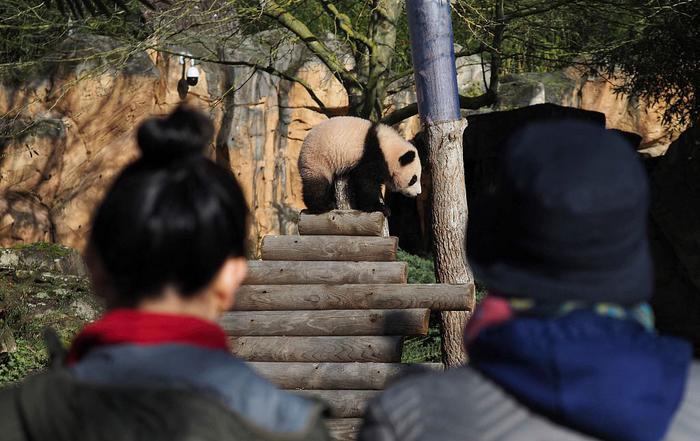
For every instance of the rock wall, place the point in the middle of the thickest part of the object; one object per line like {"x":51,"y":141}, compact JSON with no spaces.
{"x":574,"y":88}
{"x":69,"y":140}
{"x":62,"y":141}
{"x":66,"y":132}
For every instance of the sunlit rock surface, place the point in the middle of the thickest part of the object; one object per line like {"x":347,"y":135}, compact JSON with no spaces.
{"x":62,"y":141}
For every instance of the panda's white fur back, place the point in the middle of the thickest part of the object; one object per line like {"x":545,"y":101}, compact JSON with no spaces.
{"x":333,"y":146}
{"x":337,"y":144}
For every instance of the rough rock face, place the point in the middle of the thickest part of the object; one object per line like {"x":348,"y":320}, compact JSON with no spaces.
{"x":573,"y":88}
{"x":263,"y":126}
{"x":75,"y":136}
{"x":72,"y":140}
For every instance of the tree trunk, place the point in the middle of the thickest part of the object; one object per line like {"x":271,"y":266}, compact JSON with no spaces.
{"x":449,"y":201}
{"x":430,"y":27}
{"x":342,"y":201}
{"x":382,"y":32}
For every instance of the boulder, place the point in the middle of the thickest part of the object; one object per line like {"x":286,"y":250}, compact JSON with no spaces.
{"x":43,"y":257}
{"x":8,"y":344}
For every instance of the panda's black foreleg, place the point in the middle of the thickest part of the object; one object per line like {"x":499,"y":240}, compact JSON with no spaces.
{"x":318,"y":195}
{"x":366,"y":192}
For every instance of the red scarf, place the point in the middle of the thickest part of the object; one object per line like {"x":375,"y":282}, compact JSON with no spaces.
{"x":130,"y":326}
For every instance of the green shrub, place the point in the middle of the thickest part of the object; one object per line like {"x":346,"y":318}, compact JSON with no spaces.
{"x":32,"y":300}
{"x":420,"y":269}
{"x":426,"y":348}
{"x":52,"y":250}
{"x":479,"y":291}
{"x":28,"y":358}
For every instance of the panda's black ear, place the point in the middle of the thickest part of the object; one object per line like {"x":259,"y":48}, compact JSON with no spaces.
{"x":407,"y":157}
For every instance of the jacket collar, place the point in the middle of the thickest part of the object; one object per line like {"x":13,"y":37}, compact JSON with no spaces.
{"x":130,"y":326}
{"x":603,"y":376}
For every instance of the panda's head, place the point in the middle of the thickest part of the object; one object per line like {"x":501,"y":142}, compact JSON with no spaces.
{"x":402,"y":161}
{"x":405,"y":174}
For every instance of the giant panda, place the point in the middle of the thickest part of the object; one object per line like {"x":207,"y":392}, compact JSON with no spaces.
{"x":369,"y":155}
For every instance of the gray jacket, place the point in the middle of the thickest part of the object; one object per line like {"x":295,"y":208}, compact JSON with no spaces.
{"x":161,"y":392}
{"x":462,"y":405}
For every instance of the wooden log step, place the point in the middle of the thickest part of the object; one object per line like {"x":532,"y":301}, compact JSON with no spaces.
{"x":369,"y":376}
{"x":342,"y":223}
{"x":335,"y":248}
{"x":285,"y":272}
{"x":318,"y":349}
{"x":407,"y":322}
{"x":344,"y":429}
{"x":343,"y":403}
{"x":437,"y":297}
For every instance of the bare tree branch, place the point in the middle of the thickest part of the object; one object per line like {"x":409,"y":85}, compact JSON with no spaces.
{"x":400,"y":76}
{"x":322,"y":108}
{"x":96,"y":7}
{"x":536,"y":10}
{"x":344,"y":24}
{"x":469,"y":52}
{"x":462,"y":53}
{"x":401,"y":114}
{"x":465,"y":102}
{"x":272,"y":71}
{"x":382,"y":30}
{"x":317,"y":47}
{"x":496,"y":45}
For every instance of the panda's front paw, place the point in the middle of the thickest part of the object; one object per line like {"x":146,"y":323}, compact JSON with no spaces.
{"x":385,"y":210}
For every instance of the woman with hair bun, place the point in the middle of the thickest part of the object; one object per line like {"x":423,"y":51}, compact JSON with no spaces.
{"x":167,"y":253}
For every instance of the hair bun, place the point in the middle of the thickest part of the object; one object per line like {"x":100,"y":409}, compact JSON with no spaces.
{"x":184,"y":132}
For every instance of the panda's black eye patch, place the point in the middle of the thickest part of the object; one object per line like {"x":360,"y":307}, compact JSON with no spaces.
{"x":413,"y":180}
{"x":407,"y":157}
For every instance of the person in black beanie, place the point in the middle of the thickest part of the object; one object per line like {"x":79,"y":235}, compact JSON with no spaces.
{"x":564,"y":346}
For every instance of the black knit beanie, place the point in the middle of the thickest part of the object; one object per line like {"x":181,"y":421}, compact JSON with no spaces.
{"x":567,"y":219}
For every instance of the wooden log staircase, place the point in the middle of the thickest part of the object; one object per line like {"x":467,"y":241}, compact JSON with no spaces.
{"x":325,"y":313}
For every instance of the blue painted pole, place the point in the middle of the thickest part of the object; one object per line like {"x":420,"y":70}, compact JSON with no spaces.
{"x":432,"y":49}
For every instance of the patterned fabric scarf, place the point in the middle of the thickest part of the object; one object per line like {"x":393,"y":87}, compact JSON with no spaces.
{"x":495,"y":309}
